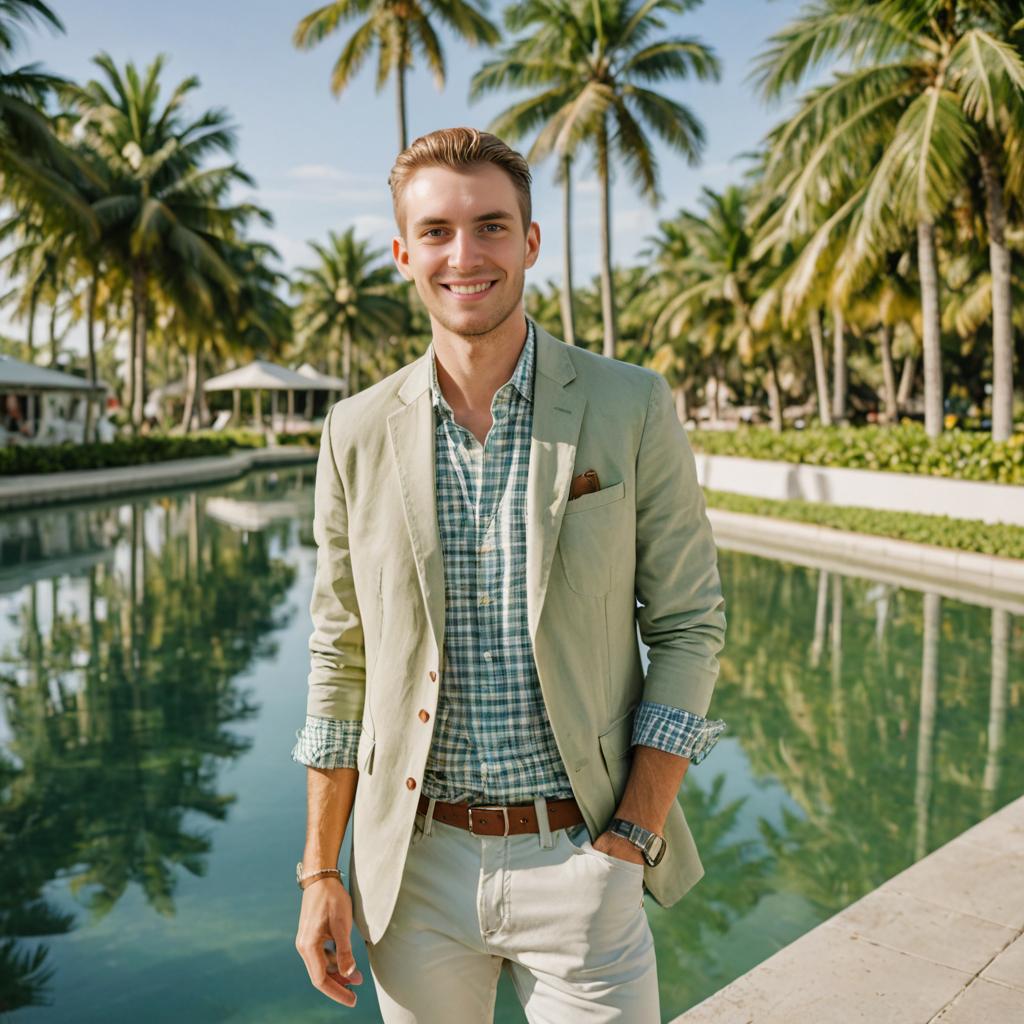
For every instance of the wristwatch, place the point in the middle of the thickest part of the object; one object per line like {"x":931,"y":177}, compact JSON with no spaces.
{"x":650,"y":844}
{"x":300,"y":877}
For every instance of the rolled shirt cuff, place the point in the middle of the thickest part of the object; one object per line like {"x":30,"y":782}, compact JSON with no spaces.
{"x":327,"y":743}
{"x":675,"y":731}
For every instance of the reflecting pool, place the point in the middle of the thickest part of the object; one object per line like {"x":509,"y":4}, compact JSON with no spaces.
{"x":152,"y":676}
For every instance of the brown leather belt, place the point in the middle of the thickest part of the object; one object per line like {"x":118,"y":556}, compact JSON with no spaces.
{"x":495,"y":820}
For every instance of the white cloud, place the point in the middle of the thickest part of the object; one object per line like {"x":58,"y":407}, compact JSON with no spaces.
{"x":373,"y":225}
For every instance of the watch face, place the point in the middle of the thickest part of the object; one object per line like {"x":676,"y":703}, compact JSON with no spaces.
{"x":655,"y":850}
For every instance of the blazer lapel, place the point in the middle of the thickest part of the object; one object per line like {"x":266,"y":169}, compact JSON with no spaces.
{"x":412,"y":445}
{"x":557,"y":416}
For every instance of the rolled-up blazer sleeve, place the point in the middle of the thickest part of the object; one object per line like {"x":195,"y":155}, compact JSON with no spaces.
{"x":337,"y":662}
{"x":682,"y":613}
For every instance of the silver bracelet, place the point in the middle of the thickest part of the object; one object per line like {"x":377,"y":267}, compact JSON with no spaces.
{"x":300,"y":877}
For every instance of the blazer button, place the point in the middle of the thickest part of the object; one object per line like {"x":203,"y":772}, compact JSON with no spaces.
{"x":433,"y":676}
{"x":410,"y":783}
{"x":424,"y":715}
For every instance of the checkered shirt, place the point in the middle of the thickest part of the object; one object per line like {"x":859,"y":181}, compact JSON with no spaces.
{"x":492,"y":740}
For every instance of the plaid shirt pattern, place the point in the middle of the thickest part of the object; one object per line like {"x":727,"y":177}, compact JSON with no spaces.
{"x":492,"y":740}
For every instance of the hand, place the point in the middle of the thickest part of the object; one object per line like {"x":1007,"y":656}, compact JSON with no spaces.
{"x":327,"y":914}
{"x":617,"y":846}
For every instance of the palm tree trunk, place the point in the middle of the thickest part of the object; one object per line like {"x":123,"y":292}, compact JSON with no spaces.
{"x":931,"y":341}
{"x":90,"y":342}
{"x":1002,"y":322}
{"x":53,"y":333}
{"x":191,"y":386}
{"x":888,"y":374}
{"x":820,"y":373}
{"x":33,"y":302}
{"x":346,"y":359}
{"x":400,"y":86}
{"x":839,"y":384}
{"x":140,"y":316}
{"x":568,"y":325}
{"x":607,"y":297}
{"x":907,"y":375}
{"x":332,"y":368}
{"x":774,"y":391}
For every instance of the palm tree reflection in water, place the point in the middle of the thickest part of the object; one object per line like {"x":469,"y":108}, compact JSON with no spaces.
{"x":119,"y":708}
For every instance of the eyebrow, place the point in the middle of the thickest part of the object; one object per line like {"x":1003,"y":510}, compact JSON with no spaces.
{"x":431,"y":222}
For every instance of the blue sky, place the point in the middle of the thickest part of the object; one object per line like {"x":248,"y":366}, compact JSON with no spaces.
{"x":321,"y":163}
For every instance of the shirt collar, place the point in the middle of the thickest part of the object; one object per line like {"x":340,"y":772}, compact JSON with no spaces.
{"x":521,"y":379}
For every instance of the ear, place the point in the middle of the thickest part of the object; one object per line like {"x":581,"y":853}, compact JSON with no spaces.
{"x":532,"y":244}
{"x":400,"y":254}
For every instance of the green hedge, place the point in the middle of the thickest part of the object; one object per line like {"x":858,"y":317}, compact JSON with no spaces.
{"x":129,"y":451}
{"x":904,"y":449}
{"x":961,"y":534}
{"x":306,"y":438}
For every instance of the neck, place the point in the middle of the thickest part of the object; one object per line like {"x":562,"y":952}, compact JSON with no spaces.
{"x":470,"y":370}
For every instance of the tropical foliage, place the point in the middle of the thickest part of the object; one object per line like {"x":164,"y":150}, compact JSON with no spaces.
{"x":864,"y":267}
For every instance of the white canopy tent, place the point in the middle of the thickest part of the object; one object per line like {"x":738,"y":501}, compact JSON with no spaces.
{"x":37,"y":384}
{"x":333,"y":383}
{"x":261,"y":375}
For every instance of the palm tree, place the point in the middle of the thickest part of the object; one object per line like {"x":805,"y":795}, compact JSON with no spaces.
{"x":538,"y":58}
{"x":595,"y":89}
{"x":33,"y":163}
{"x":930,"y":90}
{"x":399,"y":29}
{"x":347,"y":298}
{"x":162,"y":210}
{"x":716,"y":280}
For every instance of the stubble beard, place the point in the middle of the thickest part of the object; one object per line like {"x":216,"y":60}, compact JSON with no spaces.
{"x":492,"y":322}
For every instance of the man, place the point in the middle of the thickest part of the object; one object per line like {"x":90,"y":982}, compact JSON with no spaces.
{"x":503,"y":501}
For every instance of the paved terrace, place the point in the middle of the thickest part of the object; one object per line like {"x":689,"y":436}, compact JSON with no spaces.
{"x":940,"y":943}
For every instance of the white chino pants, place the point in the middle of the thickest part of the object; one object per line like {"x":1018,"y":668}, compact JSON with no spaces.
{"x":566,"y":921}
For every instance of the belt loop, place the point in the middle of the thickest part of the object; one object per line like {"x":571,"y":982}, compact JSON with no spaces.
{"x":543,"y":825}
{"x":428,"y":820}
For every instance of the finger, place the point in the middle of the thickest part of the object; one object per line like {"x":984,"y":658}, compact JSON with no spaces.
{"x":332,"y":984}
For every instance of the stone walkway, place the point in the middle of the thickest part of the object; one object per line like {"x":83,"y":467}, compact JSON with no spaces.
{"x":940,"y":943}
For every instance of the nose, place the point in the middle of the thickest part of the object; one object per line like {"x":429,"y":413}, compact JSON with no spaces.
{"x":464,"y":254}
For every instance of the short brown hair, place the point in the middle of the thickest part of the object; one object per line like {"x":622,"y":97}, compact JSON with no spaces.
{"x":460,"y":149}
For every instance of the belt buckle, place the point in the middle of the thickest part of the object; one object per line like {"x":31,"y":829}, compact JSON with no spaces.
{"x":493,"y":808}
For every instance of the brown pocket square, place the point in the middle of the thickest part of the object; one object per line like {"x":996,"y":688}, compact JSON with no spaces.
{"x":584,"y":484}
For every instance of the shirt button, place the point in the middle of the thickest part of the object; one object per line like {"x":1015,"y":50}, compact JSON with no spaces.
{"x":487,"y":655}
{"x":485,"y":599}
{"x":484,"y":549}
{"x":410,"y":783}
{"x":433,"y":676}
{"x":424,"y":715}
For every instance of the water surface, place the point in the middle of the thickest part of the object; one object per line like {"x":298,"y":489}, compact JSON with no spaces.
{"x":152,"y":676}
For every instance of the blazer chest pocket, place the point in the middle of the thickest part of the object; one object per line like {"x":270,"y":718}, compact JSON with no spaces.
{"x":592,"y":525}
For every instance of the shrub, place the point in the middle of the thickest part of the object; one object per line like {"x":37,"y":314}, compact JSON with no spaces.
{"x":129,"y":451}
{"x":944,"y":531}
{"x":306,"y":438}
{"x":960,"y":454}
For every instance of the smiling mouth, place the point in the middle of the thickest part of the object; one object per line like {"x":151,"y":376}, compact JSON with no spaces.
{"x":470,"y":289}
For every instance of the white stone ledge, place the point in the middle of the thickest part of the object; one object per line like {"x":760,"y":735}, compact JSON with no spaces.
{"x":941,"y":941}
{"x":962,"y":575}
{"x":36,"y":489}
{"x":862,"y":488}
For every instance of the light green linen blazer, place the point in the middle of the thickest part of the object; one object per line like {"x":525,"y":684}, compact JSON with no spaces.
{"x":378,"y":594}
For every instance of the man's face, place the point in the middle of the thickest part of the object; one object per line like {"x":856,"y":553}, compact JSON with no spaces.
{"x":464,"y":246}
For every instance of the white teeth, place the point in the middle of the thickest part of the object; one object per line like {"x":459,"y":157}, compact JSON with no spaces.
{"x":471,"y":289}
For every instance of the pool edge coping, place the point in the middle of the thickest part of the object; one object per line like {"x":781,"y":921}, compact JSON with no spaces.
{"x":947,"y":901}
{"x":26,"y":492}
